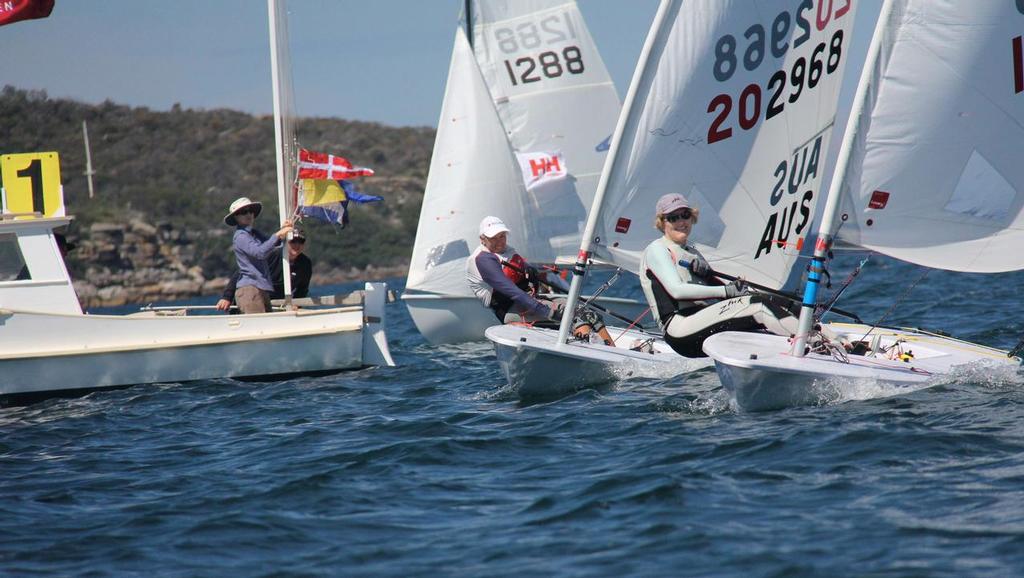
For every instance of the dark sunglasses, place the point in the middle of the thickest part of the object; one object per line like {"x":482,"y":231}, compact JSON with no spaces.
{"x":246,"y":211}
{"x":685,"y":214}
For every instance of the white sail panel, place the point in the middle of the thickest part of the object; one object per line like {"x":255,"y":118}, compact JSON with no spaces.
{"x":935,"y":174}
{"x":555,"y":97}
{"x":734,"y":109}
{"x":473,"y":174}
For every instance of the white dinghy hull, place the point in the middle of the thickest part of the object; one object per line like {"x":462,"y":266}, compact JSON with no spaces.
{"x":455,"y":319}
{"x":537,"y":368}
{"x":760,"y":374}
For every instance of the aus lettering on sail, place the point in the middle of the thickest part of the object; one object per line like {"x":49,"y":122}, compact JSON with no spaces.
{"x":796,"y":180}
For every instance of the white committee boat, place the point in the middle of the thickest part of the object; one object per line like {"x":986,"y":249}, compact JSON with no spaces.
{"x":740,"y":129}
{"x":48,"y":345}
{"x":929,"y":172}
{"x":527,"y":112}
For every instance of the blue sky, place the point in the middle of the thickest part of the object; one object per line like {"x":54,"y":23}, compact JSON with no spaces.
{"x":375,"y":60}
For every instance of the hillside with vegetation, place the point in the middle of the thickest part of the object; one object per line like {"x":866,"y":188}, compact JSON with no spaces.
{"x":177,"y":172}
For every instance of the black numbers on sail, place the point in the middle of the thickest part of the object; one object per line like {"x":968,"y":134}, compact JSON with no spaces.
{"x":825,"y":59}
{"x":527,"y":69}
{"x":758,"y":41}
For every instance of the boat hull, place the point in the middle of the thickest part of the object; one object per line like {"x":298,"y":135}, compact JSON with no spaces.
{"x":760,"y":374}
{"x":537,"y":368}
{"x":48,"y":352}
{"x":445,"y":319}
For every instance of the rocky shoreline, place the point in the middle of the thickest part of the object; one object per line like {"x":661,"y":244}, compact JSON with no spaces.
{"x":141,"y":263}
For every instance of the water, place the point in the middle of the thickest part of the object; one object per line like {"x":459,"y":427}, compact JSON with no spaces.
{"x":433,"y":468}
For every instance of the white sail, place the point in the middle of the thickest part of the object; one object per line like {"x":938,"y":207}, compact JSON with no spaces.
{"x":734,"y":109}
{"x":555,"y":97}
{"x":935,"y":174}
{"x":472,"y":175}
{"x":521,"y":141}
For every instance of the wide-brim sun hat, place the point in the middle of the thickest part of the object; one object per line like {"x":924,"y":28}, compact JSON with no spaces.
{"x":239,"y":204}
{"x":492,"y":227}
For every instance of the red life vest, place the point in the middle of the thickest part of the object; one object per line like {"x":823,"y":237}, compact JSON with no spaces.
{"x":515,"y":269}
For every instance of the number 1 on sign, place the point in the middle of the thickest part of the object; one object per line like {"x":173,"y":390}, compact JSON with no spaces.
{"x":31,"y":184}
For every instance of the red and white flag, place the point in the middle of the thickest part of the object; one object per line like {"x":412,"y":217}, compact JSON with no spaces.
{"x":324,"y":166}
{"x":15,"y":10}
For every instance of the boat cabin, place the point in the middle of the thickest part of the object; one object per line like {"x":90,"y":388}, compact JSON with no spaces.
{"x":33,"y":275}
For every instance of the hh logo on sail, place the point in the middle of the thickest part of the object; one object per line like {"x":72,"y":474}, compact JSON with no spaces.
{"x":540,"y":168}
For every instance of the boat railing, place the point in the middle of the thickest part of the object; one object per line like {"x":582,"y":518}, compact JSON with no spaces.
{"x":338,"y":300}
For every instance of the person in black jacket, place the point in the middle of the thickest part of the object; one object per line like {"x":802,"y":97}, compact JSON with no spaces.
{"x":301,"y":269}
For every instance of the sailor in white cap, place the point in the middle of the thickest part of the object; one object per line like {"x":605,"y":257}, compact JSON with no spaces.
{"x":507,"y":284}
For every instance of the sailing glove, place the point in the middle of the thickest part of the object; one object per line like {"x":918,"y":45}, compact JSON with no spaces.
{"x":736,"y":289}
{"x":699,"y":266}
{"x":556,"y":311}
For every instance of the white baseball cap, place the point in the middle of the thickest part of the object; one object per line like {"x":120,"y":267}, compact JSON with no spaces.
{"x":492,"y":227}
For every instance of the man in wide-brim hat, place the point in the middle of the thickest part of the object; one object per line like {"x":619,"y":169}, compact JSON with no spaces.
{"x":252,"y":248}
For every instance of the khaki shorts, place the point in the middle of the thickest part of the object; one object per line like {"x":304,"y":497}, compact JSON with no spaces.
{"x":251,"y":299}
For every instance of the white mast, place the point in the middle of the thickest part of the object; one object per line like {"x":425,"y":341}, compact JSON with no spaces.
{"x":626,"y":117}
{"x":832,"y":205}
{"x":282,"y":184}
{"x":88,"y":157}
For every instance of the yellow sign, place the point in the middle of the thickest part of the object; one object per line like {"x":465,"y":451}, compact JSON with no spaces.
{"x":31,"y":184}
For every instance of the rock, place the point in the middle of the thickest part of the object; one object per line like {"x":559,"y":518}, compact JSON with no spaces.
{"x":142,"y":228}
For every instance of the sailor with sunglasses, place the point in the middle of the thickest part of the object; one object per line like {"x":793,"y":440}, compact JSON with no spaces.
{"x":252,"y":248}
{"x":679,"y":294}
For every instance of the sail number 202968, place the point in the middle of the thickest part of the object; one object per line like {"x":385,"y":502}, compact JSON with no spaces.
{"x":805,"y":72}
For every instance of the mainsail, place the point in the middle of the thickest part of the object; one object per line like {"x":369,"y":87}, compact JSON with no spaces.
{"x":472,"y":175}
{"x":934,"y":174}
{"x":526,"y":110}
{"x":733,"y":108}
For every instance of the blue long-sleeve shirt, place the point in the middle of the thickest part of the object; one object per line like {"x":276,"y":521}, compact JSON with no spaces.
{"x":488,"y":266}
{"x":252,"y":248}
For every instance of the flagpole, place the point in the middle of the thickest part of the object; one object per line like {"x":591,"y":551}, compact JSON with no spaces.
{"x":625,"y":118}
{"x":282,"y":185}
